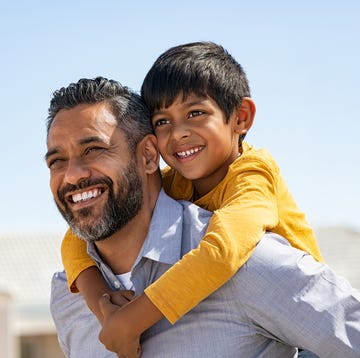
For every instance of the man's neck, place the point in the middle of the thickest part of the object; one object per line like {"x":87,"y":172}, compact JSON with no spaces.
{"x":121,"y":249}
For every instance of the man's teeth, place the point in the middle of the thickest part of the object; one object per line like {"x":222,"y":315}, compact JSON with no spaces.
{"x":187,"y":153}
{"x":86,"y":195}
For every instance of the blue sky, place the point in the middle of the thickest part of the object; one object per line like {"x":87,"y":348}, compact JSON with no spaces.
{"x":302,"y":59}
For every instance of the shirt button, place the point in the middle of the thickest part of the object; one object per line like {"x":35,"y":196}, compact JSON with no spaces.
{"x":116,"y":284}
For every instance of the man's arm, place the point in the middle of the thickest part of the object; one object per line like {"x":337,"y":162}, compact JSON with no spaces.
{"x":301,"y":302}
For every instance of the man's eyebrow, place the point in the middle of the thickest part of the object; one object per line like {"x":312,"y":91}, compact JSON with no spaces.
{"x":87,"y":140}
{"x":92,"y":139}
{"x":49,"y":153}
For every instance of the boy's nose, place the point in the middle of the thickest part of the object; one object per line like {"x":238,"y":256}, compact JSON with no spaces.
{"x":180,"y":131}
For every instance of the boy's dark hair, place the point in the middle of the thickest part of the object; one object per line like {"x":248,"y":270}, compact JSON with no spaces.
{"x":202,"y":68}
{"x":130,"y":111}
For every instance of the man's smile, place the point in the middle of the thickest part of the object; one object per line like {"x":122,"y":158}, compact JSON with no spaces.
{"x":84,"y":195}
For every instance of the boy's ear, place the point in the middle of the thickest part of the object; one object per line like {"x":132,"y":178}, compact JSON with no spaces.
{"x":149,"y":153}
{"x":245,"y":115}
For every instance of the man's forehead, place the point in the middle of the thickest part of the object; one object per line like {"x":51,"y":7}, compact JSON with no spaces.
{"x":86,"y":117}
{"x":80,"y":123}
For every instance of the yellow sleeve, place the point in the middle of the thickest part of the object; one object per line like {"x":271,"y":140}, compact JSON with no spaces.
{"x":75,"y":258}
{"x":246,"y":203}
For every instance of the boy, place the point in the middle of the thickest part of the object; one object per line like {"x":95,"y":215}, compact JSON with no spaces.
{"x":201,"y":109}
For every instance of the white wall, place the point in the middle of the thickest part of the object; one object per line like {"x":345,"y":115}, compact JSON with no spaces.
{"x":7,"y":341}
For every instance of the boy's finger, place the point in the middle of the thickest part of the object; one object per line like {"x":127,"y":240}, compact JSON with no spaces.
{"x":129,"y":295}
{"x":105,"y":304}
{"x":121,"y":298}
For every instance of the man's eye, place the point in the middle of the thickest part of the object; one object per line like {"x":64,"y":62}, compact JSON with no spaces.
{"x":160,"y":122}
{"x":54,"y":163}
{"x":93,"y":150}
{"x":193,"y":114}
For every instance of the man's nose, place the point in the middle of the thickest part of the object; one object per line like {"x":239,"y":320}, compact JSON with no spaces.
{"x":76,"y":171}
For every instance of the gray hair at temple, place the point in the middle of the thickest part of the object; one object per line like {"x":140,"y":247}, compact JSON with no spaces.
{"x":127,"y":106}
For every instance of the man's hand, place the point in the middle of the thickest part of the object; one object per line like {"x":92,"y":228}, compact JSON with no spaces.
{"x":115,"y":333}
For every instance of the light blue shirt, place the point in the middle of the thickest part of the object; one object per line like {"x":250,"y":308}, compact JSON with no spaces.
{"x":280,"y":299}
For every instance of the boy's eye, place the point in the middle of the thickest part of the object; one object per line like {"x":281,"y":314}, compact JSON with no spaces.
{"x":160,"y":122}
{"x":195,"y":113}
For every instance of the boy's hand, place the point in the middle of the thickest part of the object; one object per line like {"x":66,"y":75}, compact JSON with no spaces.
{"x":121,"y":297}
{"x":115,"y":334}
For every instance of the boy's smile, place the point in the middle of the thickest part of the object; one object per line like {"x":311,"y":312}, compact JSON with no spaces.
{"x":194,"y":139}
{"x":189,"y":153}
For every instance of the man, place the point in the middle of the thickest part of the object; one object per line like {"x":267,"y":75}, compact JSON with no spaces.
{"x":104,"y":177}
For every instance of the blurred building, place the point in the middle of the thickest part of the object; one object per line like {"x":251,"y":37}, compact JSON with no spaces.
{"x":28,"y":261}
{"x":340,"y":247}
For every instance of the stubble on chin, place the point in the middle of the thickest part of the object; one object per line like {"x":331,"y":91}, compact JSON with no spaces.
{"x":94,"y":223}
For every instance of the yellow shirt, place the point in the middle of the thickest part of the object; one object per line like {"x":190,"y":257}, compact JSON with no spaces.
{"x":251,"y":199}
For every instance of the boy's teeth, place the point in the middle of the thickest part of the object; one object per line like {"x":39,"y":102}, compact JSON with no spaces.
{"x":187,"y":153}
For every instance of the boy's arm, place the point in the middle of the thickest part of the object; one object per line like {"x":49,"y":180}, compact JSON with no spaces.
{"x":92,"y":287}
{"x":122,"y":326}
{"x":74,"y":258}
{"x":201,"y":271}
{"x":81,"y":272}
{"x":84,"y":276}
{"x":248,"y":205}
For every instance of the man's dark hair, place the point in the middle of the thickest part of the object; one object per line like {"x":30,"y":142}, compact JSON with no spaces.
{"x":203,"y":68}
{"x":130,"y":111}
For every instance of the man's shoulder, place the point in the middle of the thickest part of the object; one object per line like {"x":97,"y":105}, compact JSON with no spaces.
{"x":59,"y":282}
{"x":191,"y":212}
{"x":60,"y":293}
{"x":77,"y":328}
{"x":63,"y":302}
{"x":275,"y":260}
{"x":274,"y":251}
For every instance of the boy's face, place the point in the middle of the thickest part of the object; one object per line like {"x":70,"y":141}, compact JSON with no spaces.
{"x":195,"y":140}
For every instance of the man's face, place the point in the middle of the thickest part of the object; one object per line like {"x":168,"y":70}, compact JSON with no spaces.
{"x":93,"y":175}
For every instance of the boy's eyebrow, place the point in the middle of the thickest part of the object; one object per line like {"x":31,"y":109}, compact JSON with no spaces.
{"x":83,"y":141}
{"x":194,"y":103}
{"x":188,"y":104}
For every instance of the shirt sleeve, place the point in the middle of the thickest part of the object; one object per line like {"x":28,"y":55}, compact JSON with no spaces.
{"x":75,"y":258}
{"x":296,"y":300}
{"x":246,"y":203}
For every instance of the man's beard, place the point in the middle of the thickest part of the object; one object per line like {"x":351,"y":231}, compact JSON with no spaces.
{"x":118,"y":211}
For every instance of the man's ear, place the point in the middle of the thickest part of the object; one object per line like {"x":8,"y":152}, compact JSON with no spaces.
{"x":245,"y":115}
{"x":149,"y":153}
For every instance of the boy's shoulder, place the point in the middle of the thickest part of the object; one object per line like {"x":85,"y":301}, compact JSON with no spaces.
{"x":256,"y":155}
{"x":175,"y":185}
